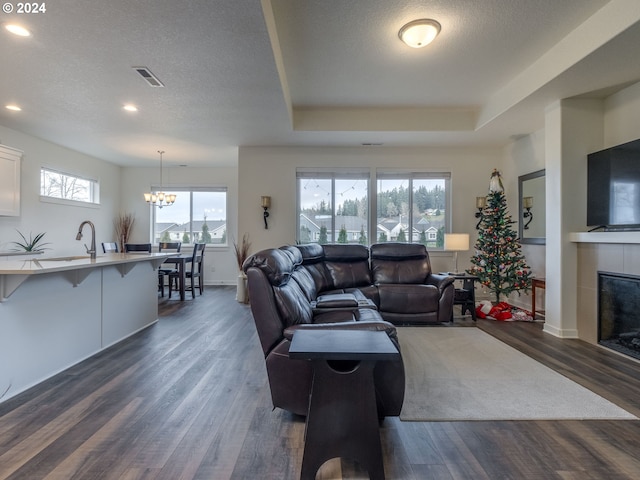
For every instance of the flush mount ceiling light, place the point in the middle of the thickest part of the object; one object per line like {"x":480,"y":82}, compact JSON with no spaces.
{"x":17,"y":30}
{"x":419,"y":33}
{"x":130,"y":108}
{"x":14,"y":108}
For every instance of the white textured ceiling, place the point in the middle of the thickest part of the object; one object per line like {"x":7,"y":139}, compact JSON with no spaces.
{"x":312,"y":72}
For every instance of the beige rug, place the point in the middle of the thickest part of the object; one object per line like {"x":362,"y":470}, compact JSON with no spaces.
{"x":466,"y":374}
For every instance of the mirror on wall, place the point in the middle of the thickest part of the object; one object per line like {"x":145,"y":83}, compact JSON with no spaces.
{"x":532,"y":208}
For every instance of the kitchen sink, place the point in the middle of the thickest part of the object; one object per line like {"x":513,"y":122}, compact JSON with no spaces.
{"x":64,"y":259}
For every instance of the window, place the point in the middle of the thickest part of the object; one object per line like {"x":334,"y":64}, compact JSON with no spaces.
{"x":333,"y":207}
{"x":199,"y":215}
{"x":66,"y":186}
{"x":412,"y":208}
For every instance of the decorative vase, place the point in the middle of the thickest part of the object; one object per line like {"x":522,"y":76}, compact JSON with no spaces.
{"x":242,"y":294}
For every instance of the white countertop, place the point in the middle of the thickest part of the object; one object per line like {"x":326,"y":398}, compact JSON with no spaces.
{"x":16,"y":266}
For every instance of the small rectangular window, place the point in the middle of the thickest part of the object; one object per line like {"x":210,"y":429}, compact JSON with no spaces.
{"x":67,"y":186}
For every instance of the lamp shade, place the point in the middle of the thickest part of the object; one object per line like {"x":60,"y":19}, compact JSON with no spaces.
{"x":458,"y":242}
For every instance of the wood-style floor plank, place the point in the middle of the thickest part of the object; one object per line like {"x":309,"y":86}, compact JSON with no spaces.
{"x":188,"y":399}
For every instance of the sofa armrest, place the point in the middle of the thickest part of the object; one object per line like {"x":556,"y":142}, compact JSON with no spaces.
{"x":341,"y":301}
{"x":440,"y":281}
{"x":338,"y":300}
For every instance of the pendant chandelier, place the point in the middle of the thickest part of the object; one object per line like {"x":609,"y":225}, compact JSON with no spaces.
{"x":160,"y":199}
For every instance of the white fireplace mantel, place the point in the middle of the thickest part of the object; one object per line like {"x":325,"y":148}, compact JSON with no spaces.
{"x":605,"y":237}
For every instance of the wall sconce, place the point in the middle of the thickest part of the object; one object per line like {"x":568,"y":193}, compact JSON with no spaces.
{"x":527,"y":203}
{"x":266,"y":204}
{"x":456,"y":242}
{"x":481,"y":202}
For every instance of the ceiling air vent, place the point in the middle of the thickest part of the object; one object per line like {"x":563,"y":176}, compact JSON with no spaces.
{"x":149,"y":77}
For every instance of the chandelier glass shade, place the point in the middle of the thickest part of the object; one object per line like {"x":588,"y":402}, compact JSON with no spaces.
{"x":160,"y":199}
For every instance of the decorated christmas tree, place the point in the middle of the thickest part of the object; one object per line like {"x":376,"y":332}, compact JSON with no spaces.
{"x":498,"y":261}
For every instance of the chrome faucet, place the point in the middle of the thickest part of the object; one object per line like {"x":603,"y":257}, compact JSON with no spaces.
{"x":92,"y":251}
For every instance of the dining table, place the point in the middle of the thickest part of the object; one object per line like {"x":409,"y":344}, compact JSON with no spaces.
{"x":180,"y":260}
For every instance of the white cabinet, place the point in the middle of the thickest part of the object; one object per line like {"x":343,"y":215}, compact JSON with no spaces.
{"x":10,"y":159}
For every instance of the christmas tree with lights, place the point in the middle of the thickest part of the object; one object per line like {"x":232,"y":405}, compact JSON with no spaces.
{"x":498,"y":261}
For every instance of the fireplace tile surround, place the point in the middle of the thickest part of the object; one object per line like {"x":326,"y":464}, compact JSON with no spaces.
{"x":594,"y":257}
{"x":618,"y":319}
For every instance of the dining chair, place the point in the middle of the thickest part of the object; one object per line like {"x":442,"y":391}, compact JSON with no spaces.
{"x":109,"y":247}
{"x":166,"y":271}
{"x":137,"y":247}
{"x":195,"y":271}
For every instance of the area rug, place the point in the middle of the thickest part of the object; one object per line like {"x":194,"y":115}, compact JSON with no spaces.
{"x":466,"y":374}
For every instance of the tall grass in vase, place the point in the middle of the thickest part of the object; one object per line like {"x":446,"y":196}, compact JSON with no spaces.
{"x":242,"y":253}
{"x":123,"y":226}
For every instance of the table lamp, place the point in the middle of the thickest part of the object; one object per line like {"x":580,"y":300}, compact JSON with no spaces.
{"x":456,"y":242}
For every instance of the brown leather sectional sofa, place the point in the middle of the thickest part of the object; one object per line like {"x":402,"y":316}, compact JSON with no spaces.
{"x":341,"y":287}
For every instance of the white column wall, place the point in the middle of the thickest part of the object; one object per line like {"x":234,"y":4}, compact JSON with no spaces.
{"x":573,"y":128}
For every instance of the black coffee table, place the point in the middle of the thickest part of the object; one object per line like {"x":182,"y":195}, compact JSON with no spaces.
{"x":342,"y":420}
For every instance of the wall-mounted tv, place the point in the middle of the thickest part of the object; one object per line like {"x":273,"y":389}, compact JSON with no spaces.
{"x":613,"y":188}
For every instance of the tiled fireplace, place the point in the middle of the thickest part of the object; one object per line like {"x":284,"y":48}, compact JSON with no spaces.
{"x":616,"y":258}
{"x":619,"y":312}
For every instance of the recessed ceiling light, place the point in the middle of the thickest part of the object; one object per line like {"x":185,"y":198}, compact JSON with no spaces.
{"x":17,"y":30}
{"x":419,"y":33}
{"x":130,"y":108}
{"x":15,"y":108}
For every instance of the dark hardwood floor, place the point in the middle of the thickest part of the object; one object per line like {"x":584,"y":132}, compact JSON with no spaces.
{"x":188,"y":398}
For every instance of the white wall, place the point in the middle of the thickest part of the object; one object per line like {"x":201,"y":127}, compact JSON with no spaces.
{"x":60,"y":222}
{"x":523,"y":156}
{"x":272,"y":171}
{"x":220,"y":264}
{"x":622,"y":116}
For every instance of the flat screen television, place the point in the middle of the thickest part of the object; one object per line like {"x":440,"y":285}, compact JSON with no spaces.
{"x":613,"y":188}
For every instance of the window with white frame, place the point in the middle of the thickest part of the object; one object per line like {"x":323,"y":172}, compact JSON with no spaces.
{"x":412,"y":207}
{"x":199,"y":215}
{"x":68,"y":187}
{"x":333,"y":207}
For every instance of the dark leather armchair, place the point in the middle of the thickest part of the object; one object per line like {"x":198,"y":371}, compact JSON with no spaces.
{"x":408,"y":291}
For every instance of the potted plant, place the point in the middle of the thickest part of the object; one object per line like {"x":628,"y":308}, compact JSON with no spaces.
{"x":242,"y":253}
{"x":33,"y":245}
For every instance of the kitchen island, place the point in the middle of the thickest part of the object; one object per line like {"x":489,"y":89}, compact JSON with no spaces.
{"x":55,"y":312}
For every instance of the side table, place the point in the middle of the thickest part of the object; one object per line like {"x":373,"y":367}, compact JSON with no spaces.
{"x":342,"y":420}
{"x":536,"y":283}
{"x":465,"y":296}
